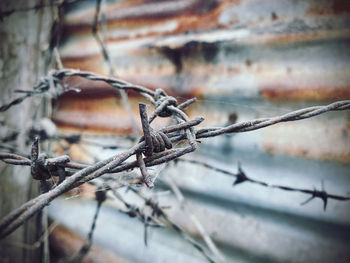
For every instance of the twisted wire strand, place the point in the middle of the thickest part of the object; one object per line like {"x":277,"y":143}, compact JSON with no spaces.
{"x":161,"y":213}
{"x":241,"y":177}
{"x":264,"y":122}
{"x":87,"y":173}
{"x":117,"y":163}
{"x":114,"y":82}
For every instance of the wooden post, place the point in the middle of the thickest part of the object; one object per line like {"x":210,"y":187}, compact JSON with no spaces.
{"x":24,"y":55}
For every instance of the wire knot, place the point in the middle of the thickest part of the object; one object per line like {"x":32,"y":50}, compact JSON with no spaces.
{"x":162,"y":106}
{"x":43,"y":168}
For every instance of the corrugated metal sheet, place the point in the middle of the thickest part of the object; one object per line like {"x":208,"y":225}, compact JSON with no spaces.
{"x":274,"y":49}
{"x":251,"y":50}
{"x":248,"y":59}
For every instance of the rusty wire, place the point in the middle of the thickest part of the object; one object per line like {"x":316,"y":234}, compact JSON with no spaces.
{"x":117,"y":163}
{"x":264,"y":122}
{"x":20,"y":215}
{"x":155,"y":146}
{"x":157,"y":217}
{"x":160,"y":213}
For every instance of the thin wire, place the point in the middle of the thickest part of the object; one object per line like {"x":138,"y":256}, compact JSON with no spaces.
{"x":241,"y":177}
{"x":117,"y":163}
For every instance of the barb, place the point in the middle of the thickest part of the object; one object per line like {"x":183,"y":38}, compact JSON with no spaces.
{"x":149,"y":220}
{"x":145,"y":176}
{"x":87,"y":173}
{"x":146,"y":130}
{"x":241,"y":177}
{"x":159,"y":212}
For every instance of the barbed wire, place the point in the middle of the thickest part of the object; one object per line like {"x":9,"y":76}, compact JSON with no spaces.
{"x":160,"y":213}
{"x":157,"y":217}
{"x":57,"y":76}
{"x":264,"y":122}
{"x":153,"y":148}
{"x":166,"y":106}
{"x":42,"y":168}
{"x":242,"y":177}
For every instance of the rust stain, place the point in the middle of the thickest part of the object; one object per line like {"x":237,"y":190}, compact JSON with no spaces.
{"x":281,"y":92}
{"x":64,"y":243}
{"x":149,"y":77}
{"x":193,"y":67}
{"x":305,"y":153}
{"x":86,"y":62}
{"x":274,"y":16}
{"x":89,"y":88}
{"x":341,"y":6}
{"x":324,"y":138}
{"x":103,"y":115}
{"x":334,"y":7}
{"x":92,"y":112}
{"x":65,"y":123}
{"x":189,"y":15}
{"x":196,"y":76}
{"x":298,"y":37}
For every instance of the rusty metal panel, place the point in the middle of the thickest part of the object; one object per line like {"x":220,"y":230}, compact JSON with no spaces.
{"x":256,"y":50}
{"x":243,"y":60}
{"x":272,"y":49}
{"x":64,"y":243}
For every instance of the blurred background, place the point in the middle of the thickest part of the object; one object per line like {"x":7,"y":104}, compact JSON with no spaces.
{"x":242,"y":60}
